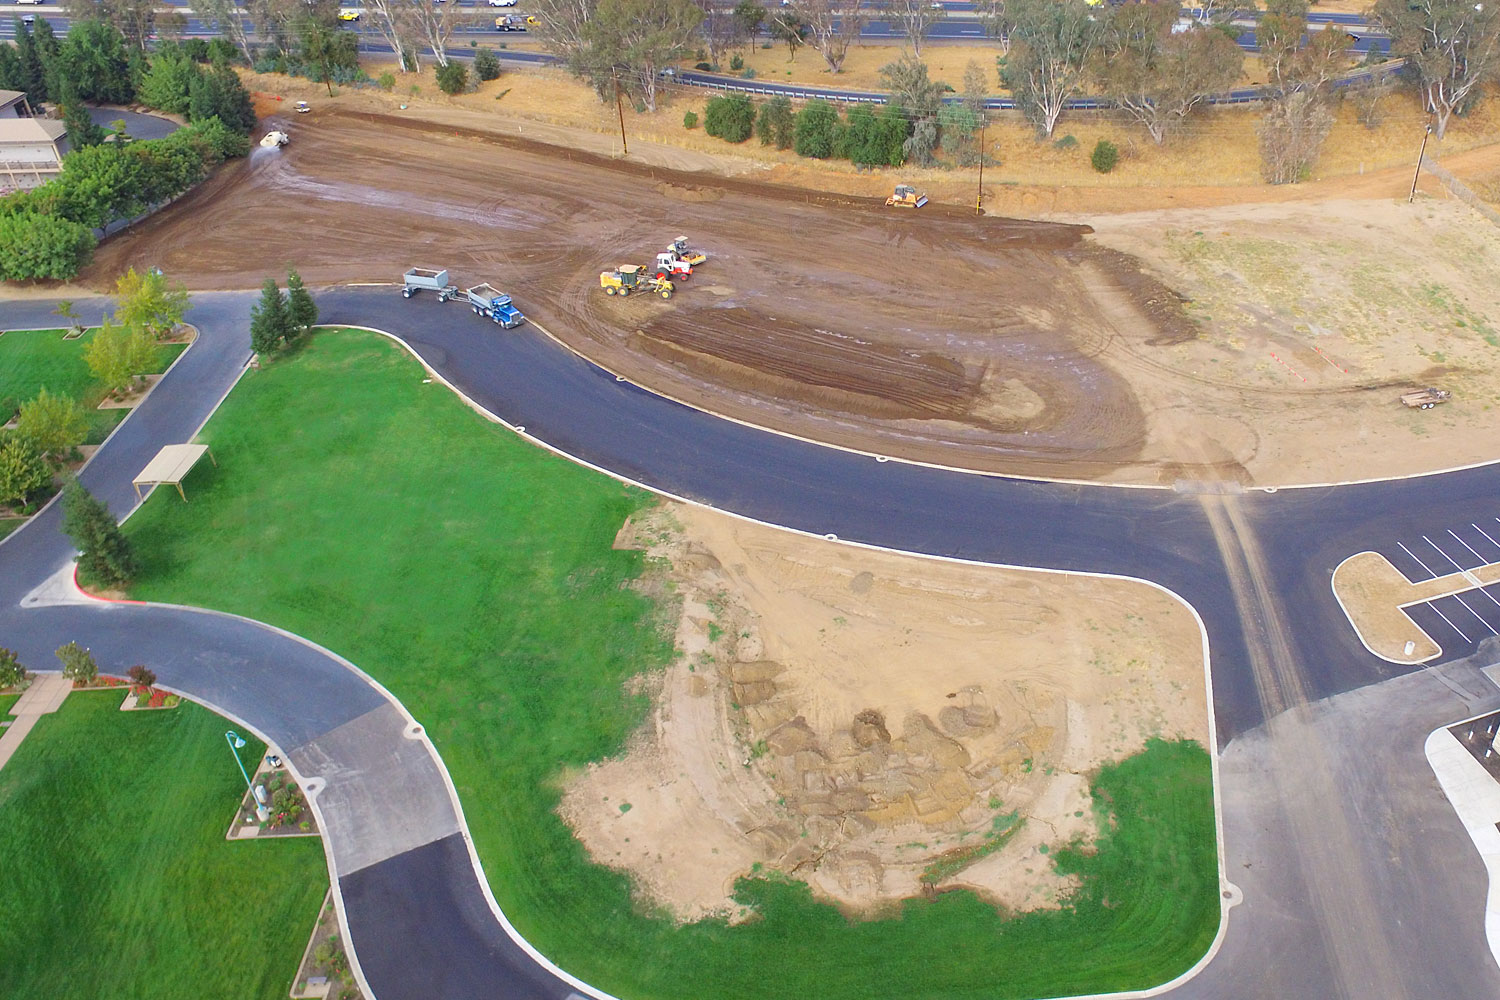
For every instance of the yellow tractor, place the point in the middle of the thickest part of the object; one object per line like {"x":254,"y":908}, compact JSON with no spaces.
{"x":905,"y":196}
{"x":629,"y":278}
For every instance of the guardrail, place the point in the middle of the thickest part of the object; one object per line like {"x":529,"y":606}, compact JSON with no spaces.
{"x":1249,"y":95}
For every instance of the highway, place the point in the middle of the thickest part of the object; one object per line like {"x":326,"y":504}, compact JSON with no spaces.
{"x":1356,"y":877}
{"x":961,"y":25}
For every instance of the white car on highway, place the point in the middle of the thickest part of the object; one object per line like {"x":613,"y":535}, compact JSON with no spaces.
{"x":502,"y":3}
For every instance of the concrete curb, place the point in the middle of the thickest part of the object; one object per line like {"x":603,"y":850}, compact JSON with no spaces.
{"x":1475,"y":797}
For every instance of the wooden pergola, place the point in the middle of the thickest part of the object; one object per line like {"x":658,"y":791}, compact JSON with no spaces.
{"x":171,"y":466}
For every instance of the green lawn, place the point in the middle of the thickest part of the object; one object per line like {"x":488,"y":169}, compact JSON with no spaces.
{"x":118,"y":879}
{"x":6,"y":701}
{"x":31,"y":360}
{"x":473,"y":575}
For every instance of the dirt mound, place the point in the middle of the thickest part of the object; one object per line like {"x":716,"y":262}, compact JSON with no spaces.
{"x":880,"y":726}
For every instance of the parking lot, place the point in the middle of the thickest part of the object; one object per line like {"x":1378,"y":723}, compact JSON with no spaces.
{"x":1457,"y":622}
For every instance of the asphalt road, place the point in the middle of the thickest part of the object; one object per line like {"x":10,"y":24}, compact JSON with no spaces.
{"x":1349,"y":853}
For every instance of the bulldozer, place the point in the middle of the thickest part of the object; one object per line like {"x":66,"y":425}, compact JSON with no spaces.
{"x":905,"y":196}
{"x":629,"y":278}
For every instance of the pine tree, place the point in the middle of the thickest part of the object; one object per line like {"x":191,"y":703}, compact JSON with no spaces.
{"x":302,"y":311}
{"x":81,"y":128}
{"x":33,"y":70}
{"x":105,"y":556}
{"x":269,"y":322}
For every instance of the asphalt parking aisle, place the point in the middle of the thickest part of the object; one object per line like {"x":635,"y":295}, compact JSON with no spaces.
{"x":1457,"y":622}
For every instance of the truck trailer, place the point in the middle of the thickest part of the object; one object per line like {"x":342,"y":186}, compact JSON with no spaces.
{"x":418,"y":279}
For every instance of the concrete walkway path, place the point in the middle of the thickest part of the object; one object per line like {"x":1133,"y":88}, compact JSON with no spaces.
{"x":44,"y":697}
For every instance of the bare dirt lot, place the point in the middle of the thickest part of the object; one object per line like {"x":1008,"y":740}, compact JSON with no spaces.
{"x":878,"y":725}
{"x":1024,"y":347}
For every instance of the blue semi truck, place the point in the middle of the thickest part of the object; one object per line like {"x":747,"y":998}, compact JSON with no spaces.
{"x":494,"y":304}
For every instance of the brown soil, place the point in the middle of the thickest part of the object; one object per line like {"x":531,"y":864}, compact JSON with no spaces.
{"x":853,"y":718}
{"x":992,"y":343}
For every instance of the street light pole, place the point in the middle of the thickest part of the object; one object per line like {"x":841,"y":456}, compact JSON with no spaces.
{"x":235,"y":742}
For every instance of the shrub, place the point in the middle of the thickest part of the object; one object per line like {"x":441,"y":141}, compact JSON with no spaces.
{"x":387,"y":81}
{"x":141,"y":676}
{"x":705,"y":67}
{"x":730,"y":118}
{"x":78,"y":664}
{"x":817,"y":130}
{"x":736,"y":64}
{"x":453,"y":78}
{"x":35,"y":246}
{"x":11,"y":671}
{"x":749,"y":74}
{"x":486,"y":64}
{"x":1066,"y":142}
{"x":690,"y":119}
{"x":1105,"y":156}
{"x":776,"y":124}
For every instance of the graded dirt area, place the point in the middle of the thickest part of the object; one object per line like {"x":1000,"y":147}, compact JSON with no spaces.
{"x":1025,"y":347}
{"x":878,"y":725}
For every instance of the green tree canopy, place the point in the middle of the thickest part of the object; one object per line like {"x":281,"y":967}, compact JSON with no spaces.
{"x":270,"y":321}
{"x":105,"y":556}
{"x":55,"y":424}
{"x":93,"y":60}
{"x":23,"y":471}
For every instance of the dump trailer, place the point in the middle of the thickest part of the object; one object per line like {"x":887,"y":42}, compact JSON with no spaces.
{"x":1425,"y":399}
{"x":419,"y":279}
{"x":491,"y":302}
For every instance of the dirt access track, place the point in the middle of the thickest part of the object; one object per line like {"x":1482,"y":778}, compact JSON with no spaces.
{"x":989,"y":343}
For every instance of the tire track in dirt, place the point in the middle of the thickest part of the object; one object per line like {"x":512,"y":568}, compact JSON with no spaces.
{"x":935,"y":336}
{"x":1303,"y":772}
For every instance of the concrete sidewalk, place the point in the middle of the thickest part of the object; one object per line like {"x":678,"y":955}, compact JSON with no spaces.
{"x":44,"y":697}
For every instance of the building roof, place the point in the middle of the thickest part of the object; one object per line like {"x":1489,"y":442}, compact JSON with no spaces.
{"x":31,"y":130}
{"x":9,"y":97}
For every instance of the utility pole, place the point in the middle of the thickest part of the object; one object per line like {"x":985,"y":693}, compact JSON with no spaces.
{"x":1418,"y":172}
{"x":621,"y":109}
{"x":979,"y":198}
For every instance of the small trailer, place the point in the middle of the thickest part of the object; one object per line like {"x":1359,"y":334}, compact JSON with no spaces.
{"x":494,"y":304}
{"x":1425,"y":399}
{"x":419,"y":279}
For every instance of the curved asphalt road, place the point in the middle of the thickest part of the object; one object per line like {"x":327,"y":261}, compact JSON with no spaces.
{"x":417,"y":915}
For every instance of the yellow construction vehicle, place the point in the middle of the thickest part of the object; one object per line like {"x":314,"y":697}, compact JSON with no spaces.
{"x":905,"y":196}
{"x":629,"y":278}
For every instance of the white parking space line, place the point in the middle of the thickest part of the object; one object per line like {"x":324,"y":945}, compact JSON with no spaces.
{"x":1466,"y":545}
{"x":1418,"y":561}
{"x":1486,"y":535}
{"x":1482,"y":559}
{"x":1449,"y":621}
{"x":1459,"y":598}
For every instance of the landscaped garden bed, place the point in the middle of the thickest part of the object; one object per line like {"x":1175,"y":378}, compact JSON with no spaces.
{"x":324,"y":971}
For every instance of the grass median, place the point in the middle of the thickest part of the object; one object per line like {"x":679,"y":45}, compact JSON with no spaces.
{"x":118,"y":879}
{"x":31,"y":360}
{"x":473,"y":574}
